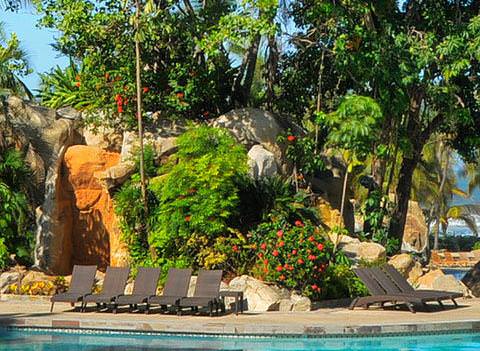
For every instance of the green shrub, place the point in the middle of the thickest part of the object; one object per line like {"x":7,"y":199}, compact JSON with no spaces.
{"x":476,"y":246}
{"x":15,"y":212}
{"x":340,"y":281}
{"x":295,"y":255}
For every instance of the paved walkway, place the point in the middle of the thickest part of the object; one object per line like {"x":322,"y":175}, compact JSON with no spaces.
{"x":35,"y":313}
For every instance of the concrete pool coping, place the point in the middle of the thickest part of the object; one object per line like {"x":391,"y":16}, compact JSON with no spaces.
{"x":33,"y":313}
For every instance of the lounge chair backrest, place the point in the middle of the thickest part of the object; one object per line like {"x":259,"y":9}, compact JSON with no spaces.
{"x":178,"y":281}
{"x":82,"y":279}
{"x":373,"y":287}
{"x":398,"y":279}
{"x":385,"y":281}
{"x":115,"y":280}
{"x":208,"y":283}
{"x":146,"y":281}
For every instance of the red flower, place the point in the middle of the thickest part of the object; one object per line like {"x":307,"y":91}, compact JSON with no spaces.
{"x":291,"y":138}
{"x":282,"y":277}
{"x":188,"y":218}
{"x":299,"y":223}
{"x":280,"y":233}
{"x":312,"y":257}
{"x":300,"y":261}
{"x":118,"y":98}
{"x":314,"y":287}
{"x":145,"y":90}
{"x":275,"y":253}
{"x":107,"y":76}
{"x":265,"y":261}
{"x":281,"y":244}
{"x":311,"y":238}
{"x":263,"y":246}
{"x":77,"y":77}
{"x":279,"y":268}
{"x":260,"y":255}
{"x":265,"y":270}
{"x":320,"y":247}
{"x":235,"y":248}
{"x":180,"y":95}
{"x":294,"y":252}
{"x":206,"y":114}
{"x":77,"y":84}
{"x":120,"y":109}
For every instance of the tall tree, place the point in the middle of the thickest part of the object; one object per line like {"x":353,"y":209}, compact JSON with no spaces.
{"x":419,"y":60}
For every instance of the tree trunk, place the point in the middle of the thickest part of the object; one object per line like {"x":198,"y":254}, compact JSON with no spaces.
{"x":243,"y":81}
{"x":272,"y":67}
{"x":399,"y":216}
{"x":440,"y":206}
{"x":139,"y":103}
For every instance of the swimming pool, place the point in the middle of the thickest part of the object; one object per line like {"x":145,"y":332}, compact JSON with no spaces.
{"x":47,"y":340}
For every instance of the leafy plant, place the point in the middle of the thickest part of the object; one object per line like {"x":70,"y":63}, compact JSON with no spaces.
{"x":15,"y":217}
{"x":294,"y":255}
{"x":340,"y":281}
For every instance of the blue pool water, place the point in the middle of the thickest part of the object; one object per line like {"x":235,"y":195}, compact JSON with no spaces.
{"x":58,"y":341}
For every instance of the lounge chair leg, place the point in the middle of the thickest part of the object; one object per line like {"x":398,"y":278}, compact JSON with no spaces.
{"x":51,"y":307}
{"x":455,"y":302}
{"x":353,"y":304}
{"x":114,"y":310}
{"x":210,"y":308}
{"x":147,"y":308}
{"x":441,"y":304}
{"x":411,"y":308}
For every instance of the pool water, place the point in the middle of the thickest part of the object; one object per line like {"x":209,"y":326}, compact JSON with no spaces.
{"x":458,"y":273}
{"x":14,"y":340}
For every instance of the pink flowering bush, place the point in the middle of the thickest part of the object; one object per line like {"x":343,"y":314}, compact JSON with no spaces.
{"x":294,"y":255}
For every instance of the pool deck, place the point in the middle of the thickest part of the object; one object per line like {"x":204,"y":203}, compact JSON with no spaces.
{"x":321,"y":322}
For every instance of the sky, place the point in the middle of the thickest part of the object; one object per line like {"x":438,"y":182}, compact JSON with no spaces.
{"x":35,"y":41}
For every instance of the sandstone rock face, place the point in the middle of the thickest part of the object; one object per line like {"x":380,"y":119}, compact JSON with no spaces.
{"x":261,"y":162}
{"x":415,"y":233}
{"x":472,"y":280}
{"x":358,"y":251}
{"x":330,"y":217}
{"x":86,"y":229}
{"x":407,"y":266}
{"x":437,"y":280}
{"x":261,"y":297}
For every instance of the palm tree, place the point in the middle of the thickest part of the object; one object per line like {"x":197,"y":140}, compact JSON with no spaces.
{"x":14,"y":5}
{"x":465,"y":213}
{"x":434,"y":184}
{"x":13,"y":63}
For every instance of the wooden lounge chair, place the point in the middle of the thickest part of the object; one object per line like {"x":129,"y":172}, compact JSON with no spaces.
{"x":145,"y":286}
{"x":176,"y":287}
{"x":406,"y":288}
{"x":420,"y":298}
{"x":207,"y":290}
{"x":113,"y":285}
{"x":80,"y":286}
{"x":378,"y":294}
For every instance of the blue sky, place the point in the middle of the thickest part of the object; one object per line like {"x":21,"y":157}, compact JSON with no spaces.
{"x":35,"y":41}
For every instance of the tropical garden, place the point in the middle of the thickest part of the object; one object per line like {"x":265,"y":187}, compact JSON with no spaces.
{"x":388,"y":91}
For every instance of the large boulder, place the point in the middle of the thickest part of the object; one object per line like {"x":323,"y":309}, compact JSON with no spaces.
{"x":43,"y":135}
{"x":472,"y":280}
{"x":437,"y":280}
{"x":84,"y":227}
{"x":415,"y":235}
{"x":251,"y":126}
{"x":261,"y":162}
{"x":358,"y":250}
{"x":407,"y":266}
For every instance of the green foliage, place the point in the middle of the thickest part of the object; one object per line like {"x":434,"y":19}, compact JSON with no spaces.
{"x":178,"y":78}
{"x":294,"y":255}
{"x":303,"y":152}
{"x":13,"y":64}
{"x":354,"y":125}
{"x":476,"y":246}
{"x":340,"y":281}
{"x":16,"y":237}
{"x":192,"y":203}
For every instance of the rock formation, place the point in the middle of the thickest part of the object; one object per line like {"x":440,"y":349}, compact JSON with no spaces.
{"x":84,"y":227}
